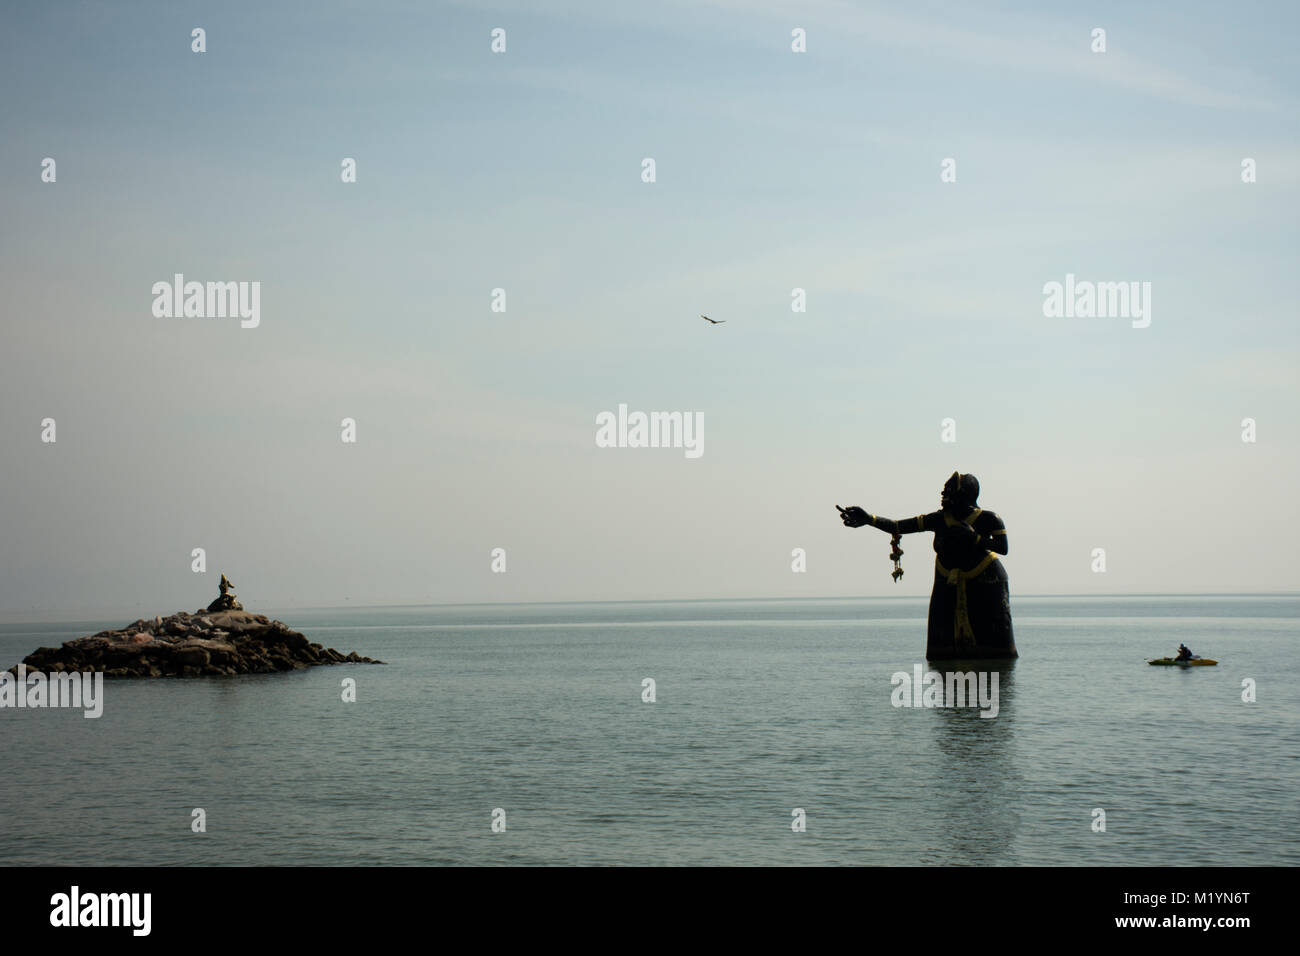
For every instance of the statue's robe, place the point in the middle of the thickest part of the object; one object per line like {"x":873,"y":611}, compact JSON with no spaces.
{"x":970,"y":605}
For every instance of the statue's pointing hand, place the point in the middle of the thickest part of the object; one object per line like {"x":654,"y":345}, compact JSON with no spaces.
{"x":854,"y":517}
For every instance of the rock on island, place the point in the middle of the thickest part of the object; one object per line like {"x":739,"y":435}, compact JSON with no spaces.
{"x":222,"y":639}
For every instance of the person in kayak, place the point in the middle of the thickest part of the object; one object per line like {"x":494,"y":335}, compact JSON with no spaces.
{"x":970,"y":604}
{"x":1184,"y":653}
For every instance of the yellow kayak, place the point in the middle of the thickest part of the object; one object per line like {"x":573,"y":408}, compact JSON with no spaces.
{"x":1194,"y":662}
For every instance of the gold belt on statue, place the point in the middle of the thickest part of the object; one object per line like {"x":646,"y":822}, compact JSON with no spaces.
{"x":963,"y":633}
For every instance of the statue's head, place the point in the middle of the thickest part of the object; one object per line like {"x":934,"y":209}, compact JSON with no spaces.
{"x":960,"y":491}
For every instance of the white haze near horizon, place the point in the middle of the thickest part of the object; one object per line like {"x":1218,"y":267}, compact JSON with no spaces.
{"x":775,"y":170}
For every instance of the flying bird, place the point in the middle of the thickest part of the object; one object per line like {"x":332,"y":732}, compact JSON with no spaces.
{"x":714,"y":321}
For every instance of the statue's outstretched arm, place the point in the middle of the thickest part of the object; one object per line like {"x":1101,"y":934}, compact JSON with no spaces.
{"x":855,"y":517}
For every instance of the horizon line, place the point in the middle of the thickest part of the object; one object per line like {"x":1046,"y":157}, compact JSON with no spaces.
{"x":748,"y":600}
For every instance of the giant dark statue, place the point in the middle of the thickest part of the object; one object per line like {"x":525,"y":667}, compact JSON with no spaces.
{"x":970,"y":606}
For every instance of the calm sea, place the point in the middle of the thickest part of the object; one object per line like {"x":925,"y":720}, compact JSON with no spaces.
{"x":761,"y":707}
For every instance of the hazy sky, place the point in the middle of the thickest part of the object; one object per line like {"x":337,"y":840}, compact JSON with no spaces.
{"x":775,"y":170}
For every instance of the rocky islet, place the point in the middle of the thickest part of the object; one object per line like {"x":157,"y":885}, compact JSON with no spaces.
{"x":221,"y":640}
